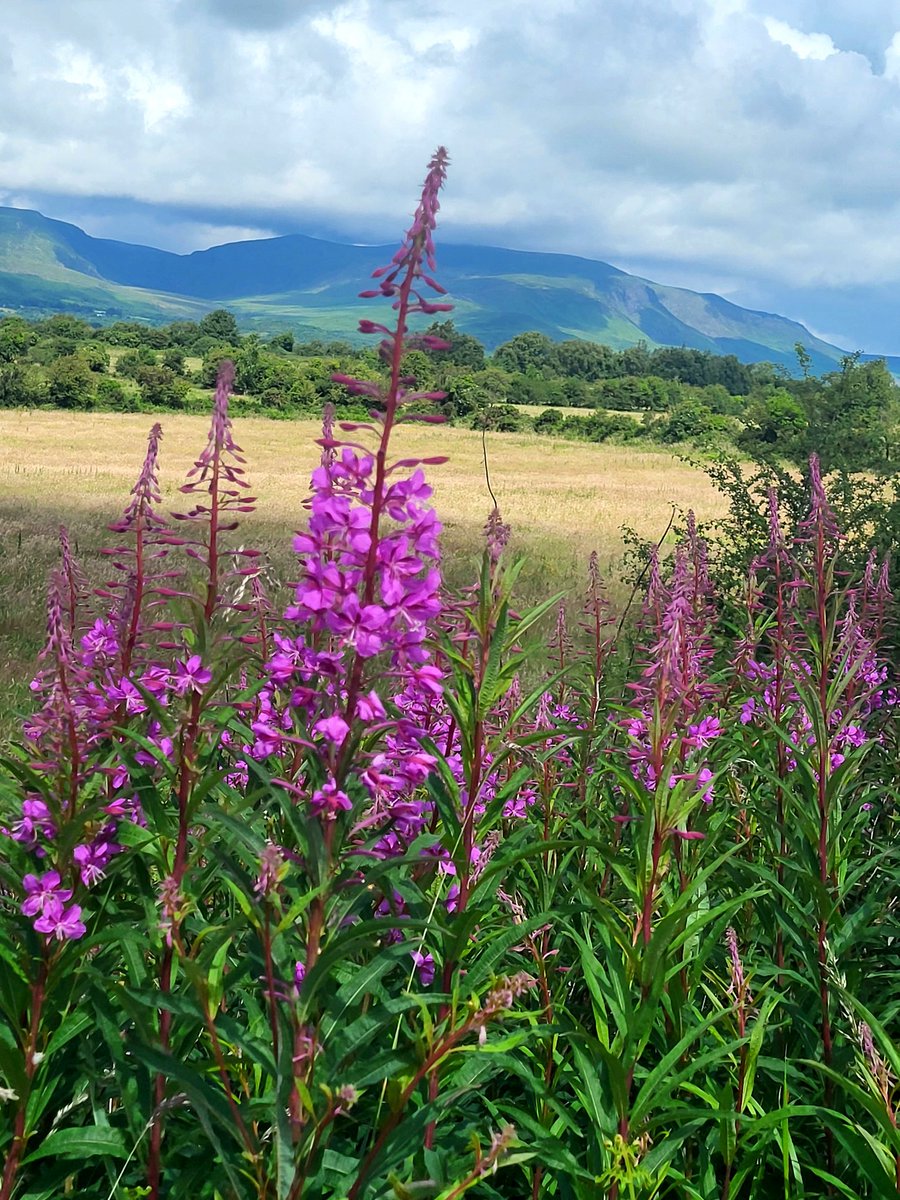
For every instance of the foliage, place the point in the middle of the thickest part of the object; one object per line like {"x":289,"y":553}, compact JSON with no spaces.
{"x":70,"y":382}
{"x":394,"y":892}
{"x":848,"y":417}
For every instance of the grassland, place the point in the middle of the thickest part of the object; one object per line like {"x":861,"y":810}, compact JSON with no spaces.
{"x":535,"y":410}
{"x":563,"y":500}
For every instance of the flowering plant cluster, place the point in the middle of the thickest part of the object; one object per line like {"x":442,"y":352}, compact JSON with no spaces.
{"x":372,"y":889}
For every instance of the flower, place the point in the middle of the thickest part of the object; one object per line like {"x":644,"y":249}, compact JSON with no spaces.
{"x":190,"y":676}
{"x":43,"y":893}
{"x":92,"y":859}
{"x":424,"y":965}
{"x":328,"y":800}
{"x":63,"y":924}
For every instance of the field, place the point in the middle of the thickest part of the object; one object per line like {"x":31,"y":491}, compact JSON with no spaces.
{"x":599,"y":924}
{"x":535,"y":410}
{"x":563,"y":499}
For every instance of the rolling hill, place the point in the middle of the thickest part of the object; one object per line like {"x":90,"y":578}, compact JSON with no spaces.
{"x":310,"y":286}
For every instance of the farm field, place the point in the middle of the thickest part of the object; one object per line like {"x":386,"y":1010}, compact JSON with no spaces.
{"x":563,"y":499}
{"x":567,"y":410}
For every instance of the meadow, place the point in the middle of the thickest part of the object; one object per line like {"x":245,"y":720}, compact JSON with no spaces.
{"x":564,"y":501}
{"x":405,"y":880}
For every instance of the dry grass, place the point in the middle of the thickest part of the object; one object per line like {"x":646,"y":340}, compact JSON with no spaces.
{"x":535,"y":410}
{"x":563,"y":499}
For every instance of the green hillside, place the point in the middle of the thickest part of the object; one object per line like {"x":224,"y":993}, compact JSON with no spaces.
{"x":300,"y":282}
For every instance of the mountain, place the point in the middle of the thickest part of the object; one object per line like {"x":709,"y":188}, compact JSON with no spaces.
{"x":310,"y":286}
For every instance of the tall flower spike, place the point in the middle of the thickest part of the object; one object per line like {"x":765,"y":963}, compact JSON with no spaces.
{"x":74,"y":578}
{"x":821,"y":522}
{"x":219,"y":473}
{"x":145,"y":525}
{"x":496,"y":534}
{"x":145,"y":495}
{"x":366,"y":596}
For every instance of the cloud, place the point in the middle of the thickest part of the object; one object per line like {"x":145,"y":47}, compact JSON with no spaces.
{"x":749,"y":140}
{"x":260,"y":14}
{"x":804,"y":45}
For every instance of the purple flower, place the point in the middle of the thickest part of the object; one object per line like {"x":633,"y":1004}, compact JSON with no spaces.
{"x":100,"y":642}
{"x":93,"y":859}
{"x":63,"y":924}
{"x":42,"y":892}
{"x":329,"y":800}
{"x":333,"y":729}
{"x":705,"y":731}
{"x":424,"y":965}
{"x":703,"y":779}
{"x":34,"y":823}
{"x":190,"y":676}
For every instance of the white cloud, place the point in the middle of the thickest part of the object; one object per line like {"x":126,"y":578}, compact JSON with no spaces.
{"x":754,"y":139}
{"x":78,"y":68}
{"x":804,"y":45}
{"x":157,"y":97}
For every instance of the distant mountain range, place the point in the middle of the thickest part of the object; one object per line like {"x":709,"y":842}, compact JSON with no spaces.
{"x":310,"y":286}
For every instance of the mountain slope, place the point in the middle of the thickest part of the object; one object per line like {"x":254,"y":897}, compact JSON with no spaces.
{"x":312,"y":286}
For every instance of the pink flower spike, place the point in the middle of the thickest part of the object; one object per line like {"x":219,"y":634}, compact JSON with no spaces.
{"x":688,"y":835}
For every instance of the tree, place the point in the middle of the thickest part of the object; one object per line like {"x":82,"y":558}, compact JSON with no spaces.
{"x":182,"y":333}
{"x":526,"y":350}
{"x":851,"y":415}
{"x":775,"y":423}
{"x":634,"y":360}
{"x":531,"y":389}
{"x":114,"y":395}
{"x":499,"y":418}
{"x":123,"y":333}
{"x":589,"y":361}
{"x":96,"y":357}
{"x":16,"y":336}
{"x":221,"y":325}
{"x":173,"y":358}
{"x":855,"y":416}
{"x":249,"y":366}
{"x":463,"y":349}
{"x":551,"y":420}
{"x":687,"y":365}
{"x":65,"y":325}
{"x":132,"y":361}
{"x":282,"y":341}
{"x":419,"y":367}
{"x":70,"y":383}
{"x":209,"y":368}
{"x":161,"y":387}
{"x":17,"y":386}
{"x":692,"y":420}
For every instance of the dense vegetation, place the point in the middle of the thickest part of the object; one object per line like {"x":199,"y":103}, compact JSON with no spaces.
{"x":384,"y":891}
{"x":849,"y":417}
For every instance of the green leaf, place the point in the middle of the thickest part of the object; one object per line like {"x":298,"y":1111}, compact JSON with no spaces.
{"x":81,"y":1143}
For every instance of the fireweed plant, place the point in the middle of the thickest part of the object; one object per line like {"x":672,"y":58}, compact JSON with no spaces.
{"x":379,"y":891}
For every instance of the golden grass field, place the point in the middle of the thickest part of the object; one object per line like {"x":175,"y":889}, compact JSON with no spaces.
{"x":563,"y":499}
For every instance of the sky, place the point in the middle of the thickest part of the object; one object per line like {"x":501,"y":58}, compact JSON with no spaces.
{"x":745,"y":147}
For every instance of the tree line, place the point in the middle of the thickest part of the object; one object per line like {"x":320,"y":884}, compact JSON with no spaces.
{"x":667,"y":394}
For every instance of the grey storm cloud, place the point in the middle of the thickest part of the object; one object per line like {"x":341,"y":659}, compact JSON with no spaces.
{"x":741,"y":140}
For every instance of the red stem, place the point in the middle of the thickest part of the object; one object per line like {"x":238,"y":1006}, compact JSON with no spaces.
{"x":20,"y":1137}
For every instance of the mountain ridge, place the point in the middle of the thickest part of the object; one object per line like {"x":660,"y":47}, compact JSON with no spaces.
{"x":311,"y":286}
